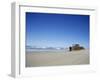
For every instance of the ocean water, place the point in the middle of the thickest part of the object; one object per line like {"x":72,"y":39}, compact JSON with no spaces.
{"x":46,"y":51}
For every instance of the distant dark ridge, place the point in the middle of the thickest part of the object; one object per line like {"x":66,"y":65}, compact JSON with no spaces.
{"x":76,"y":47}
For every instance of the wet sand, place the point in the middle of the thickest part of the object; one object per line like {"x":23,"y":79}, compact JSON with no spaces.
{"x":35,"y":59}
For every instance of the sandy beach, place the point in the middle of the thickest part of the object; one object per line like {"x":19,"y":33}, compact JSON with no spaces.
{"x":34,"y":59}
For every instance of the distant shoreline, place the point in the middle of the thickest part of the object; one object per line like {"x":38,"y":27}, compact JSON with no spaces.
{"x":48,"y":50}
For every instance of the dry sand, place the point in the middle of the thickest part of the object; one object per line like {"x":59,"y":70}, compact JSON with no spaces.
{"x":53,"y":59}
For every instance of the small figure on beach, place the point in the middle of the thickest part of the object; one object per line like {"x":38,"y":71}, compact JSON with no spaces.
{"x":70,"y":48}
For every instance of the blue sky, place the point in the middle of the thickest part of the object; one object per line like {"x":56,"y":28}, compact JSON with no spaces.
{"x":56,"y":30}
